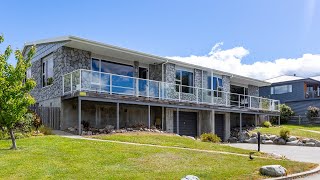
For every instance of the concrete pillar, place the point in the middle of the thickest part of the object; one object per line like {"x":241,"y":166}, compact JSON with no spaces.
{"x":177,"y":120}
{"x":169,"y":120}
{"x":162,"y":118}
{"x":149,"y":117}
{"x":240,"y":122}
{"x":79,"y":116}
{"x":212,"y":121}
{"x":227,"y":127}
{"x":255,"y":120}
{"x":199,"y":123}
{"x":118,"y":116}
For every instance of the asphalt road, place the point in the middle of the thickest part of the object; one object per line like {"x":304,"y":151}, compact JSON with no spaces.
{"x":297,"y":153}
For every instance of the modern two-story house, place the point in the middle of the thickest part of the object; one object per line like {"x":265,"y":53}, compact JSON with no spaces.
{"x":297,"y":92}
{"x":108,"y":85}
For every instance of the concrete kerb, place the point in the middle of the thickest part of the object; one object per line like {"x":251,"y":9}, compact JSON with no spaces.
{"x":299,"y":175}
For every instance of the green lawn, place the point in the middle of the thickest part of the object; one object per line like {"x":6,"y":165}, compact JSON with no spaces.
{"x":168,"y":140}
{"x":295,"y":130}
{"x":56,"y":157}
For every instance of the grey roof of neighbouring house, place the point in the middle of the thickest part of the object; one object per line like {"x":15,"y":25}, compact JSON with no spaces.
{"x":284,"y":78}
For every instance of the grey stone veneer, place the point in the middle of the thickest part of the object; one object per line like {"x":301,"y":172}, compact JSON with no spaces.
{"x":65,"y":60}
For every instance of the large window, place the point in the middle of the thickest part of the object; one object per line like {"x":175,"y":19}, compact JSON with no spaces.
{"x":119,"y":81}
{"x":281,"y":89}
{"x":111,"y":67}
{"x":184,"y":78}
{"x":215,"y":83}
{"x":47,"y":71}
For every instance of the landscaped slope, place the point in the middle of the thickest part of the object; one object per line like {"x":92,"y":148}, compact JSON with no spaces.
{"x":295,"y":130}
{"x":64,"y":158}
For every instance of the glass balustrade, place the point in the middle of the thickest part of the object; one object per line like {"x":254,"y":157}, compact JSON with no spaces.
{"x":93,"y":81}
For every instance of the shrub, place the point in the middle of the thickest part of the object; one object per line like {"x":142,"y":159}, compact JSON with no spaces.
{"x":284,"y":133}
{"x":312,"y":112}
{"x":45,"y":130}
{"x":209,"y":137}
{"x":285,"y":113}
{"x":267,"y":124}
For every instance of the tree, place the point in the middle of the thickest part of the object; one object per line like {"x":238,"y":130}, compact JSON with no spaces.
{"x":15,"y":88}
{"x":285,"y":113}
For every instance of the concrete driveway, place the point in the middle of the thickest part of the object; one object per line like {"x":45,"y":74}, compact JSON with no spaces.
{"x":297,"y":153}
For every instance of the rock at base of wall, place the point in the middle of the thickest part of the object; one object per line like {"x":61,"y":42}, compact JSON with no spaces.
{"x":233,"y":140}
{"x":253,"y":140}
{"x":267,"y":142}
{"x":279,"y":141}
{"x":311,"y":144}
{"x":292,"y":138}
{"x":273,"y":170}
{"x":293,"y":143}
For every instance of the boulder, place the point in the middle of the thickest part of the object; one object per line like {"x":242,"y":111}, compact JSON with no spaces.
{"x":254,"y":134}
{"x":233,"y":140}
{"x":267,"y":142}
{"x":129,"y":129}
{"x":273,"y":137}
{"x":311,"y":144}
{"x":317,"y":144}
{"x":279,"y":141}
{"x":293,"y":143}
{"x":71,"y":129}
{"x":265,"y":137}
{"x":292,"y":138}
{"x":253,"y":140}
{"x":109,"y":127}
{"x":305,"y":140}
{"x":312,"y":140}
{"x":273,"y":170}
{"x":89,"y":133}
{"x":276,"y":156}
{"x":190,"y":177}
{"x":244,"y":135}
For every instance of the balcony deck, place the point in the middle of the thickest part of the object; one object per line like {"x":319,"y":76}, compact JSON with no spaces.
{"x":98,"y":86}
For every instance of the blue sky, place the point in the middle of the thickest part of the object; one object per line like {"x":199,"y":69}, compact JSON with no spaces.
{"x":268,"y":30}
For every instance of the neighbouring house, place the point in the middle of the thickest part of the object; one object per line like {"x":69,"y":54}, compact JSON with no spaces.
{"x":105,"y":85}
{"x":297,"y":92}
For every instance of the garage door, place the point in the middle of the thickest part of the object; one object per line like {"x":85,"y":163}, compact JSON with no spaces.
{"x":219,"y":125}
{"x":187,"y":123}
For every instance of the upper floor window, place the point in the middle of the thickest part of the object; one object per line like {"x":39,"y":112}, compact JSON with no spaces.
{"x":281,"y":89}
{"x":215,"y":83}
{"x":111,"y":67}
{"x":47,"y":70}
{"x":28,"y":73}
{"x":185,"y":79}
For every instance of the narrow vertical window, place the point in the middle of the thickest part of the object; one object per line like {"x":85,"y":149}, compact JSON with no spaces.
{"x":47,"y":71}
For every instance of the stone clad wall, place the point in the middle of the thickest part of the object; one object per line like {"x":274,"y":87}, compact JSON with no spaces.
{"x":65,"y":60}
{"x":254,"y":91}
{"x":155,"y":72}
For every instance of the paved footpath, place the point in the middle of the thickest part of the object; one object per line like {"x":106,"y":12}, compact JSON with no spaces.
{"x":297,"y":153}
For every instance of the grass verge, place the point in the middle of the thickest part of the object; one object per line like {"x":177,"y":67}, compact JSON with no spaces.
{"x":63,"y":158}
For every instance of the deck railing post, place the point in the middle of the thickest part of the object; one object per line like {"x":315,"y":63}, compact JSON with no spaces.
{"x":63,"y":84}
{"x":71,"y":81}
{"x":197,"y":95}
{"x":239,"y":98}
{"x":110,"y":83}
{"x":179,"y":92}
{"x":148,"y":89}
{"x":80,"y":79}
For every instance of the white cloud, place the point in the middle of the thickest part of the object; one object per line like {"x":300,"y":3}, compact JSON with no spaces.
{"x":230,"y":60}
